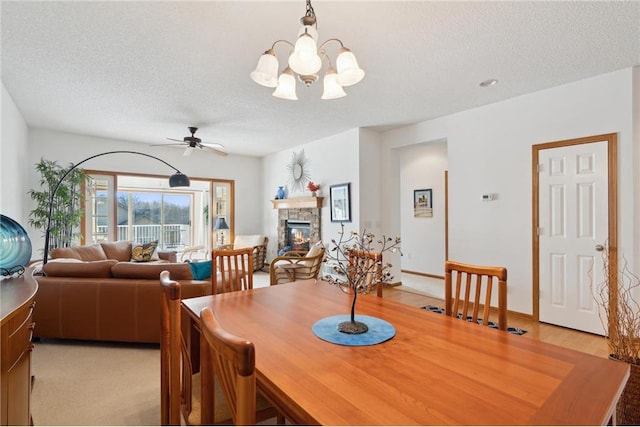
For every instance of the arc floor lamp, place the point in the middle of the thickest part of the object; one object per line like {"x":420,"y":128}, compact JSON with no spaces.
{"x":178,"y":179}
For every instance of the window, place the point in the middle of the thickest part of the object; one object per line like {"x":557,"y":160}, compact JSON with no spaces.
{"x":143,"y":209}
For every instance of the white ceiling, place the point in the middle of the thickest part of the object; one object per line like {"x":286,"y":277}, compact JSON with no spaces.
{"x":144,"y":71}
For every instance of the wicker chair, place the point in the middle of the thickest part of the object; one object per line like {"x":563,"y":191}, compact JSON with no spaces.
{"x":307,"y":265}
{"x":257,"y":243}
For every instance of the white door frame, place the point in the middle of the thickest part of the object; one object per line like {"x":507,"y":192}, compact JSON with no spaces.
{"x":612,"y":169}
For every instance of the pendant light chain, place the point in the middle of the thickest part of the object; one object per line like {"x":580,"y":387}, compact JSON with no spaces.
{"x":311,"y":13}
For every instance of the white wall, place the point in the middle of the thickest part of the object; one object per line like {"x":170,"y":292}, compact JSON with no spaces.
{"x":332,"y":160}
{"x":69,"y":148}
{"x":489,"y":150}
{"x":422,"y":166}
{"x":13,"y":154}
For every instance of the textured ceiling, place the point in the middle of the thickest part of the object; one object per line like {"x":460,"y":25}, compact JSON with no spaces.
{"x":144,"y":71}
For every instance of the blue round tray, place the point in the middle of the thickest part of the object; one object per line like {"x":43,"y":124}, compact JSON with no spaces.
{"x":379,"y":330}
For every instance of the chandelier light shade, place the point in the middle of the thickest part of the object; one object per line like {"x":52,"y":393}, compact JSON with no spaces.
{"x":266,"y":73}
{"x":286,"y":88}
{"x":332,"y":89}
{"x":306,"y":61}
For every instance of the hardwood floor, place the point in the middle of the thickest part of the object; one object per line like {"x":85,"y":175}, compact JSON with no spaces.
{"x":564,"y":337}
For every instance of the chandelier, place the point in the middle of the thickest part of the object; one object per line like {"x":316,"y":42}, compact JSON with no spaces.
{"x":306,"y":61}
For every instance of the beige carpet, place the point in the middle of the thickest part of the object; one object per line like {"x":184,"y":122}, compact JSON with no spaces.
{"x":93,"y":383}
{"x":87,"y":383}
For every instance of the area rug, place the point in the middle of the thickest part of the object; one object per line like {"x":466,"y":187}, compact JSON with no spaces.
{"x":492,"y":324}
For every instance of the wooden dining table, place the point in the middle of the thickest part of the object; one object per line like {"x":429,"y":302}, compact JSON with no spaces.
{"x":436,"y":370}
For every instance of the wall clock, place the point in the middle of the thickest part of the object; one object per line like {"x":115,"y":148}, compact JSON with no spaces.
{"x":298,"y":169}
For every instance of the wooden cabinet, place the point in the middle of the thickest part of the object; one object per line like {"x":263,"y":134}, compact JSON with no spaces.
{"x":17,"y":303}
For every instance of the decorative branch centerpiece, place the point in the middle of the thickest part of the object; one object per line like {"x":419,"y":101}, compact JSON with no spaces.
{"x":357,"y":266}
{"x":617,"y":297}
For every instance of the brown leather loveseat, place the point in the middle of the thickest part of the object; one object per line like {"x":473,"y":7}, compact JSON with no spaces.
{"x":96,"y":293}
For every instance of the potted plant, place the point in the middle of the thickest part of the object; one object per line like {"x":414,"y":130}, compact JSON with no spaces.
{"x":618,"y":299}
{"x":67,"y":203}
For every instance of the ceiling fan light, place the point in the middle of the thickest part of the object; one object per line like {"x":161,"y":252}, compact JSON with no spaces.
{"x":286,"y":86}
{"x":266,"y":72}
{"x":332,"y":90}
{"x":304,"y":59}
{"x":349,"y":73}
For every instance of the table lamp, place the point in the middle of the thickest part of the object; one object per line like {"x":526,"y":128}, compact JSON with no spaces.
{"x":221,"y":224}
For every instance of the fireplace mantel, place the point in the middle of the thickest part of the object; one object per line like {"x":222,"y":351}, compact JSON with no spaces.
{"x":298,"y":203}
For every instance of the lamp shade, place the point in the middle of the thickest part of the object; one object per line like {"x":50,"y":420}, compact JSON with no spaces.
{"x":286,"y":86}
{"x":349,"y":73}
{"x":266,"y":72}
{"x":332,"y":89}
{"x":305,"y":60}
{"x":179,"y":179}
{"x":221,"y":224}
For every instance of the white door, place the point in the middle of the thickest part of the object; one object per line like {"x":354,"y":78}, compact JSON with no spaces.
{"x":573,"y":218}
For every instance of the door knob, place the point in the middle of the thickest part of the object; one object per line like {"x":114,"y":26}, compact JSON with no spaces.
{"x":599,"y":248}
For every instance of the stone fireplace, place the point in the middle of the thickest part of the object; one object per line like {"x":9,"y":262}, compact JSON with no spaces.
{"x":301,"y":215}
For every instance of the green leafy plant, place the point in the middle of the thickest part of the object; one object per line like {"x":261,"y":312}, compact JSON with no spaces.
{"x":67,"y":209}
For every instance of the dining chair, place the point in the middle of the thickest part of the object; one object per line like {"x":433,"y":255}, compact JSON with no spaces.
{"x":230,"y":360}
{"x":179,"y":387}
{"x":368,"y":265}
{"x":308,"y":265}
{"x":476,"y":280}
{"x":232,"y":270}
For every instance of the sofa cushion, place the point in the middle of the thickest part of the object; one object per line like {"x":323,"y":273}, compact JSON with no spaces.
{"x":248,"y":241}
{"x":151,"y":270}
{"x":83,"y":253}
{"x":120,"y":250}
{"x":143,"y":252}
{"x":200,"y":270}
{"x":76,"y":268}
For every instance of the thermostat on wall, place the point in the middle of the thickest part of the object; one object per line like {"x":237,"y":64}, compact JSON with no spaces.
{"x":487,"y":197}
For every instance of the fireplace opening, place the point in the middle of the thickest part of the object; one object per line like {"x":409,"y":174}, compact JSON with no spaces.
{"x":298,"y":235}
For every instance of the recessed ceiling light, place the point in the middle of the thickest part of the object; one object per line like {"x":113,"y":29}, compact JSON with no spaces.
{"x":488,"y":83}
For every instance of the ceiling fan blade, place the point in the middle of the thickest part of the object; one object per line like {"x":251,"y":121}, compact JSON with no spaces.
{"x":213,"y":145}
{"x":215,"y":150}
{"x":173,"y":139}
{"x":165,"y":145}
{"x":188,"y":151}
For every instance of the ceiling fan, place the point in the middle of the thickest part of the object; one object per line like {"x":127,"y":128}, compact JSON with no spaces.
{"x":195,"y":142}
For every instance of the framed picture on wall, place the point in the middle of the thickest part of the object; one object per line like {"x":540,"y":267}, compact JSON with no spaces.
{"x":340,"y":196}
{"x":422,"y":203}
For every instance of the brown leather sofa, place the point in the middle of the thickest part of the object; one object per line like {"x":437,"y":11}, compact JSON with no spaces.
{"x":95,"y":293}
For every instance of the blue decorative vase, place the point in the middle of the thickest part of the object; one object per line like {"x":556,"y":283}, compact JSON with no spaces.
{"x":280,"y":193}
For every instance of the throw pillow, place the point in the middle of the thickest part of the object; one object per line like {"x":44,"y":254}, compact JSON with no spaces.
{"x":143,"y":252}
{"x":200,"y":270}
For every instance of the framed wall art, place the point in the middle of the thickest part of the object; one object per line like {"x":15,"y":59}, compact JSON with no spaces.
{"x":422,"y":203}
{"x":340,"y":196}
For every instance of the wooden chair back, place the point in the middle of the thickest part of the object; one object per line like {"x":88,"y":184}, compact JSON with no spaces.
{"x":310,"y":264}
{"x":368,"y":265}
{"x":233,"y":361}
{"x":232,"y":270}
{"x":476,"y":280}
{"x":177,"y":381}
